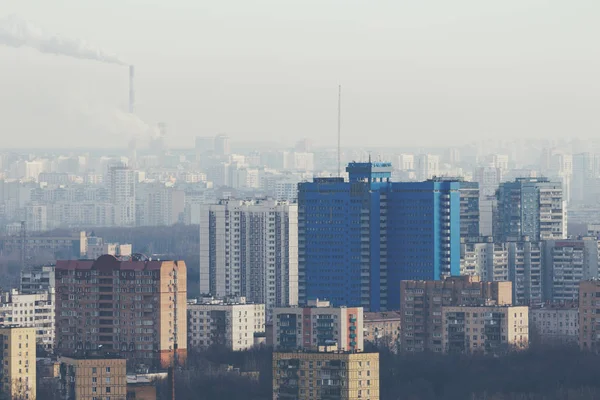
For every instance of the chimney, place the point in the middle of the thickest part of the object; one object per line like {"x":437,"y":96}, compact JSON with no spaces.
{"x":131,"y":90}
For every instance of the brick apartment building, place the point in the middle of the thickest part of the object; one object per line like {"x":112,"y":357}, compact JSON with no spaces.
{"x":422,"y":301}
{"x":132,"y":308}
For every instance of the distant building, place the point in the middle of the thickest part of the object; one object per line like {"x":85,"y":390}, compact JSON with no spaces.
{"x":97,"y":247}
{"x":150,"y":296}
{"x":18,"y":362}
{"x":566,"y":263}
{"x":122,"y":185}
{"x":38,"y":279}
{"x":485,"y":329}
{"x":90,"y":377}
{"x":383,"y":328}
{"x":531,"y":207}
{"x":555,"y":324}
{"x":250,"y":249}
{"x":318,"y":324}
{"x":518,"y":261}
{"x":221,"y":145}
{"x":422,"y":301}
{"x":30,"y":310}
{"x":232,"y":324}
{"x":325,"y":375}
{"x":359,"y":239}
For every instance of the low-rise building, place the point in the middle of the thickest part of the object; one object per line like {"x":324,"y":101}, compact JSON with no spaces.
{"x":485,"y":329}
{"x":318,"y":324}
{"x":30,"y":310}
{"x":90,"y":377}
{"x":554,"y":324}
{"x":232,"y":323}
{"x":326,"y":375}
{"x":383,"y":328}
{"x":140,"y":387}
{"x":17,"y":361}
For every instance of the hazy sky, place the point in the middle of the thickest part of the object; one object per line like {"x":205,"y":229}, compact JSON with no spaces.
{"x":413,"y":72}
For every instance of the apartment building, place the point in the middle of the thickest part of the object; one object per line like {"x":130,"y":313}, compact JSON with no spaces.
{"x":17,"y":360}
{"x":518,"y":261}
{"x":422,"y":301}
{"x":566,"y":263}
{"x":250,"y":249}
{"x":554,"y":324}
{"x":383,"y":328}
{"x":232,"y":323}
{"x":481,"y":257}
{"x":530,"y":207}
{"x":32,"y":311}
{"x":316,"y":325}
{"x":325,"y":375}
{"x":122,"y":184}
{"x":485,"y":329}
{"x":37,"y":279}
{"x":92,"y":377}
{"x":135,"y":308}
{"x":589,"y":323}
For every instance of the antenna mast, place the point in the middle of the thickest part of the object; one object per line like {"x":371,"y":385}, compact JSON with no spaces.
{"x":339,"y":132}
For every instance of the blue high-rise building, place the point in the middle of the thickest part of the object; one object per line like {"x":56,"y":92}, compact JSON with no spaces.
{"x":357,"y":240}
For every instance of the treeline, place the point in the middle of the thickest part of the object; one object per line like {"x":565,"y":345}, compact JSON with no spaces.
{"x":541,"y":373}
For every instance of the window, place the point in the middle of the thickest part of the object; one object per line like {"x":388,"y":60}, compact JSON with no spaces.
{"x":108,"y":370}
{"x":108,"y":380}
{"x":93,"y":370}
{"x":108,"y":389}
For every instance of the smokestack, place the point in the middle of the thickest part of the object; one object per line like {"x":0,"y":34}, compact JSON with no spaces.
{"x":131,"y":89}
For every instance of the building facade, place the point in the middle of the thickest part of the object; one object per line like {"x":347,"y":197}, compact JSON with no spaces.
{"x":18,"y":365}
{"x":93,"y":378}
{"x":383,"y":329}
{"x":530,"y":207}
{"x":232,"y":324}
{"x":320,"y":376}
{"x":122,"y":183}
{"x":566,"y":263}
{"x":135,"y":308}
{"x":250,"y":249}
{"x":316,"y":325}
{"x":589,"y":307}
{"x":37,"y":279}
{"x":485,"y":329}
{"x":345,"y":228}
{"x":30,"y":310}
{"x":422,"y":302}
{"x":554,"y":324}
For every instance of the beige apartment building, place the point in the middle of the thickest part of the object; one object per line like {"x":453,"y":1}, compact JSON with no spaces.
{"x":325,"y":375}
{"x":383,"y":328}
{"x":422,"y":301}
{"x":134,"y":308}
{"x":485,"y":329}
{"x":318,"y":324}
{"x":91,"y":377}
{"x":17,"y":359}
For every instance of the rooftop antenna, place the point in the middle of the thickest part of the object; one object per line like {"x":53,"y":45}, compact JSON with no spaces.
{"x":339,"y":131}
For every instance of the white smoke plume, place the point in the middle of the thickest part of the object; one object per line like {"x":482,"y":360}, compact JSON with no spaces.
{"x":17,"y":32}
